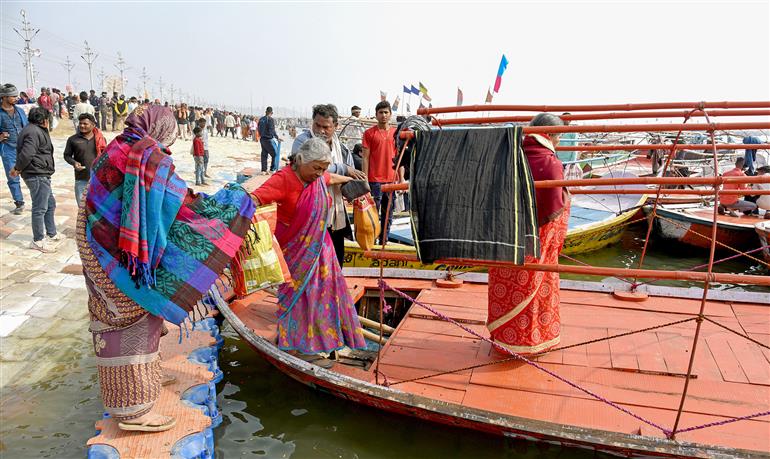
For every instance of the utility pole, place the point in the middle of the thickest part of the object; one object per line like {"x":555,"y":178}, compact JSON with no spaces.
{"x":101,"y":76}
{"x":69,"y":66}
{"x":89,"y":57}
{"x":160,"y":88}
{"x":144,"y":77}
{"x":138,"y":90}
{"x":172,"y":93}
{"x":121,"y":66}
{"x":28,"y":53}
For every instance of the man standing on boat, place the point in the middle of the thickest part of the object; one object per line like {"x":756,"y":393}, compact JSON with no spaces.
{"x":324,"y":126}
{"x":730,"y":203}
{"x":378,"y":153}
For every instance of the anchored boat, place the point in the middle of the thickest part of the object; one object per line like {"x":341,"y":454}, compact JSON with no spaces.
{"x":640,"y":371}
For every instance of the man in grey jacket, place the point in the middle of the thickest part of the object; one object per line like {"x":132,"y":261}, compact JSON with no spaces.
{"x":324,"y":125}
{"x":35,"y":164}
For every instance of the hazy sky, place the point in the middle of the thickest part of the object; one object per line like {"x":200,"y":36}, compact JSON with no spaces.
{"x":295,"y":54}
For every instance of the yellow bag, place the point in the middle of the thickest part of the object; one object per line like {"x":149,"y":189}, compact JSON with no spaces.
{"x":260,"y":263}
{"x":366,"y":221}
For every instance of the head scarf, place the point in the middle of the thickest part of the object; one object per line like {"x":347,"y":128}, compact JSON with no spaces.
{"x":155,"y":121}
{"x":160,"y":244}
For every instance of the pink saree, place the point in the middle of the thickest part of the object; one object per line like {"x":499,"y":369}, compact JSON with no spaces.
{"x":315,"y":311}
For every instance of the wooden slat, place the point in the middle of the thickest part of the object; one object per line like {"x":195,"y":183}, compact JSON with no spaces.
{"x":728,"y":363}
{"x":750,"y":359}
{"x":622,"y":350}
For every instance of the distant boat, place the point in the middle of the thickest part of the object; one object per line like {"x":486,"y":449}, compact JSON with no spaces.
{"x":691,"y":225}
{"x":596,"y":220}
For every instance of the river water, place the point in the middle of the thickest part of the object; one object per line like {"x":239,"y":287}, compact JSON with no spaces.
{"x":267,"y":414}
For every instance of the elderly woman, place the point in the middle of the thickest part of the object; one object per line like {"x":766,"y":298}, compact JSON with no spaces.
{"x":151,"y":249}
{"x":315,"y":312}
{"x":524,"y":305}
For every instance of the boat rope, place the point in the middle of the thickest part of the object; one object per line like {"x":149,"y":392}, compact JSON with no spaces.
{"x":383,"y":285}
{"x":731,"y":257}
{"x":719,"y":243}
{"x":542,"y":353}
{"x":670,"y":433}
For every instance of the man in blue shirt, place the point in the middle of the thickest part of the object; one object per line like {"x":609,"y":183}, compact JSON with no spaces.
{"x":12,"y":121}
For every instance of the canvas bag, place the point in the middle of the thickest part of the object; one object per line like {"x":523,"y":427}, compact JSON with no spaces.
{"x":260,"y":263}
{"x":366,"y":221}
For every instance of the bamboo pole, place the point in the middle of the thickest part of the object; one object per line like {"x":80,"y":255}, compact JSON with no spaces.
{"x":374,"y":324}
{"x":593,"y":108}
{"x":587,"y":270}
{"x":373,"y":337}
{"x":713,"y":181}
{"x":663,"y":146}
{"x":601,"y":116}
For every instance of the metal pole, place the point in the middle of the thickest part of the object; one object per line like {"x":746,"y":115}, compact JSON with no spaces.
{"x":89,"y":57}
{"x":160,"y":88}
{"x":27,"y":52}
{"x":101,"y":76}
{"x":144,"y":77}
{"x":121,"y":66}
{"x":69,"y":65}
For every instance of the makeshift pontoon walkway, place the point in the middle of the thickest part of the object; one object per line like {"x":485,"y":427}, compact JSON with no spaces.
{"x":643,"y":372}
{"x":191,"y":399}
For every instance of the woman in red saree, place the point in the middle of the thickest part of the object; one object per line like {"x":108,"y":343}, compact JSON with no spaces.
{"x":524,"y":305}
{"x":315,"y":311}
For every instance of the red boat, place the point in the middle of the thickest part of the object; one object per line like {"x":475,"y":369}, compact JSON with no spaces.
{"x":763,"y":231}
{"x":691,"y":225}
{"x":642,"y":373}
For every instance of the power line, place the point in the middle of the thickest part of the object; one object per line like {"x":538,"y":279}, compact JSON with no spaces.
{"x":121,"y":66}
{"x":89,"y":57}
{"x":27,"y":53}
{"x":144,"y":77}
{"x":69,"y":65}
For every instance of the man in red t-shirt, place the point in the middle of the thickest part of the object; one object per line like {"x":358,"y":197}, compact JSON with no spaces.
{"x":730,"y":202}
{"x":379,"y":149}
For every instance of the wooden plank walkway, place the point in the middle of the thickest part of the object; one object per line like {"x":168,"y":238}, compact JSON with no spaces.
{"x":643,"y":373}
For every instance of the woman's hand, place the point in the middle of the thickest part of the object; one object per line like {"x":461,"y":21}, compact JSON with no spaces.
{"x":255,"y":200}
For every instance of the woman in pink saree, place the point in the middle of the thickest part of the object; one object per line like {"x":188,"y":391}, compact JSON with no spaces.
{"x":316,"y":314}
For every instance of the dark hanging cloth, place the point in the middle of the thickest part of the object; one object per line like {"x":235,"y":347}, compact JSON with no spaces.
{"x":473,"y":196}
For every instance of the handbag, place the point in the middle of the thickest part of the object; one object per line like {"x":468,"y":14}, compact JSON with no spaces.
{"x":260,"y":263}
{"x":366,"y":221}
{"x":354,"y":189}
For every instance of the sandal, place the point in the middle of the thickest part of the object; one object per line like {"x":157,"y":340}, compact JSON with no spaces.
{"x":149,"y":426}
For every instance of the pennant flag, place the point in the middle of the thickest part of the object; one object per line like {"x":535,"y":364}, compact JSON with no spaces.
{"x":424,"y":92}
{"x":489,"y":97}
{"x":415,"y":91}
{"x":408,"y":108}
{"x":407,"y":90}
{"x":500,"y":70}
{"x":395,"y":104}
{"x":421,"y":105}
{"x":459,"y":97}
{"x":383,"y":95}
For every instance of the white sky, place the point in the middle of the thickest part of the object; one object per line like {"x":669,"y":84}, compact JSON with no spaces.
{"x":295,"y":54}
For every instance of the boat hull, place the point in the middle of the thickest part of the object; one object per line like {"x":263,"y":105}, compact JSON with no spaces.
{"x":359,"y":387}
{"x":695,"y":230}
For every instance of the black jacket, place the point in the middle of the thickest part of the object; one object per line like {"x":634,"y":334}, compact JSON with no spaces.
{"x":81,"y":150}
{"x":34,"y":152}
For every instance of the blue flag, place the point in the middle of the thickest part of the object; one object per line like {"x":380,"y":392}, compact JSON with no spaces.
{"x":415,"y":91}
{"x":407,"y":90}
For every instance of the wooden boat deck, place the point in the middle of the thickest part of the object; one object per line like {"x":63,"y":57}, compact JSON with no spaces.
{"x":642,"y":372}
